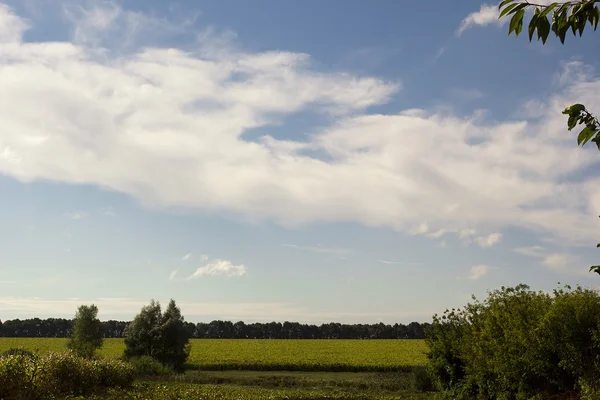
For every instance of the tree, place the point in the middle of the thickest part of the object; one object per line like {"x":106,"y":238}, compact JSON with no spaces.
{"x":86,"y":337}
{"x":162,"y":336}
{"x":565,"y":16}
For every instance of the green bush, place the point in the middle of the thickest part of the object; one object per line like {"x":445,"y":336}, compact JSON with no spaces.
{"x":59,"y":374}
{"x":519,"y":344}
{"x":18,"y":351}
{"x":148,"y":366}
{"x":17,"y":377}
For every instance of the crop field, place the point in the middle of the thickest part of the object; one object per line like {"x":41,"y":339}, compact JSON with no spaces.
{"x":270,"y":355}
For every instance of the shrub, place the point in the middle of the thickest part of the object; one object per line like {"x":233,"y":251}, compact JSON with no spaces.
{"x":422,"y":379}
{"x":59,"y":374}
{"x":18,"y":351}
{"x":148,"y":366}
{"x":17,"y":377}
{"x":519,"y":344}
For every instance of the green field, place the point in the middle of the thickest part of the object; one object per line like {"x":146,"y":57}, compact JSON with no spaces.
{"x":274,"y":369}
{"x":267,"y":355}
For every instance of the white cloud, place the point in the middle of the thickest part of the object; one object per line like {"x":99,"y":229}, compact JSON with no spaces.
{"x":167,"y":126}
{"x":478,"y":272}
{"x":76,"y":214}
{"x":187,"y":257}
{"x":565,"y":263}
{"x":172,"y":275}
{"x":487,"y":14}
{"x":219,"y":268}
{"x":12,"y":27}
{"x":531,"y":251}
{"x":490,"y":240}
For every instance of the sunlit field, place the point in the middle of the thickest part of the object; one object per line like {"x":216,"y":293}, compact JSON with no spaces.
{"x":264,"y":355}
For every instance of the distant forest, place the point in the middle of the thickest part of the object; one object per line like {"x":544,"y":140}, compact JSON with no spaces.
{"x":60,"y":328}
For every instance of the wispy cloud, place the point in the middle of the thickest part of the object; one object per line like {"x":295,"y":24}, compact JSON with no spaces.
{"x":399,"y":262}
{"x":478,"y":272}
{"x":487,"y":14}
{"x":219,"y":268}
{"x":76,"y":214}
{"x":490,"y":240}
{"x":334,"y":251}
{"x":531,"y":251}
{"x":187,"y":257}
{"x":172,"y":275}
{"x":564,"y":262}
{"x":109,"y":212}
{"x":441,"y":51}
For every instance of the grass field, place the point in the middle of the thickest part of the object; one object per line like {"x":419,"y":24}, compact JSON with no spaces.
{"x":221,"y":369}
{"x":269,"y":355}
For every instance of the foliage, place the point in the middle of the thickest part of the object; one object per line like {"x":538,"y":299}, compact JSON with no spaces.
{"x":87,"y":334}
{"x":148,"y":366}
{"x":519,"y":344}
{"x":161,"y":336}
{"x":182,"y":391}
{"x":18,"y":351}
{"x":58,"y":374}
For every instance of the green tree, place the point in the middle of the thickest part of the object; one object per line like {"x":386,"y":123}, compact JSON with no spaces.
{"x":161,"y":336}
{"x":559,"y":18}
{"x":86,"y":336}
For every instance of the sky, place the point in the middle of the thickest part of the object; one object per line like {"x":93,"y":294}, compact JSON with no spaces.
{"x":296,"y":160}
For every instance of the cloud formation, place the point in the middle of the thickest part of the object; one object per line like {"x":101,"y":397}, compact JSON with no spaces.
{"x":478,"y":272}
{"x":490,"y":240}
{"x":219,"y":268}
{"x":564,"y":263}
{"x":169,"y":127}
{"x":488,"y":15}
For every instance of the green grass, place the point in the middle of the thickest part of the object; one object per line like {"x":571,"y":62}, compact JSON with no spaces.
{"x":271,"y":355}
{"x":186,"y":391}
{"x":273,"y":369}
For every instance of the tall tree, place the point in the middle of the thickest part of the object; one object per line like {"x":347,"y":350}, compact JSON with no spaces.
{"x":560,"y":17}
{"x":162,"y":336}
{"x":86,"y":337}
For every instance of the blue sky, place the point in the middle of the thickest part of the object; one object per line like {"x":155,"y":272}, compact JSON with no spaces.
{"x":302,"y":160}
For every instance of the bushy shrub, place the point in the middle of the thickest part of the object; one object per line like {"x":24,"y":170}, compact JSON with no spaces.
{"x":18,"y":351}
{"x":148,"y":366}
{"x":17,"y":377}
{"x":59,"y":374}
{"x":519,"y":344}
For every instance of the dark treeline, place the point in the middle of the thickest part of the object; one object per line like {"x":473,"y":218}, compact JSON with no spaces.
{"x":60,"y":327}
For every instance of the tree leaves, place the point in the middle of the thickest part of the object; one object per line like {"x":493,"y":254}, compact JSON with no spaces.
{"x":565,"y":16}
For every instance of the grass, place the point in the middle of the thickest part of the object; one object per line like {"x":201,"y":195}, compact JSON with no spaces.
{"x":223,"y":369}
{"x":187,"y":391}
{"x":273,"y":355}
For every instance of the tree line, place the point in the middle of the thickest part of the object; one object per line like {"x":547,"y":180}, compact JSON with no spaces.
{"x":62,"y":328}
